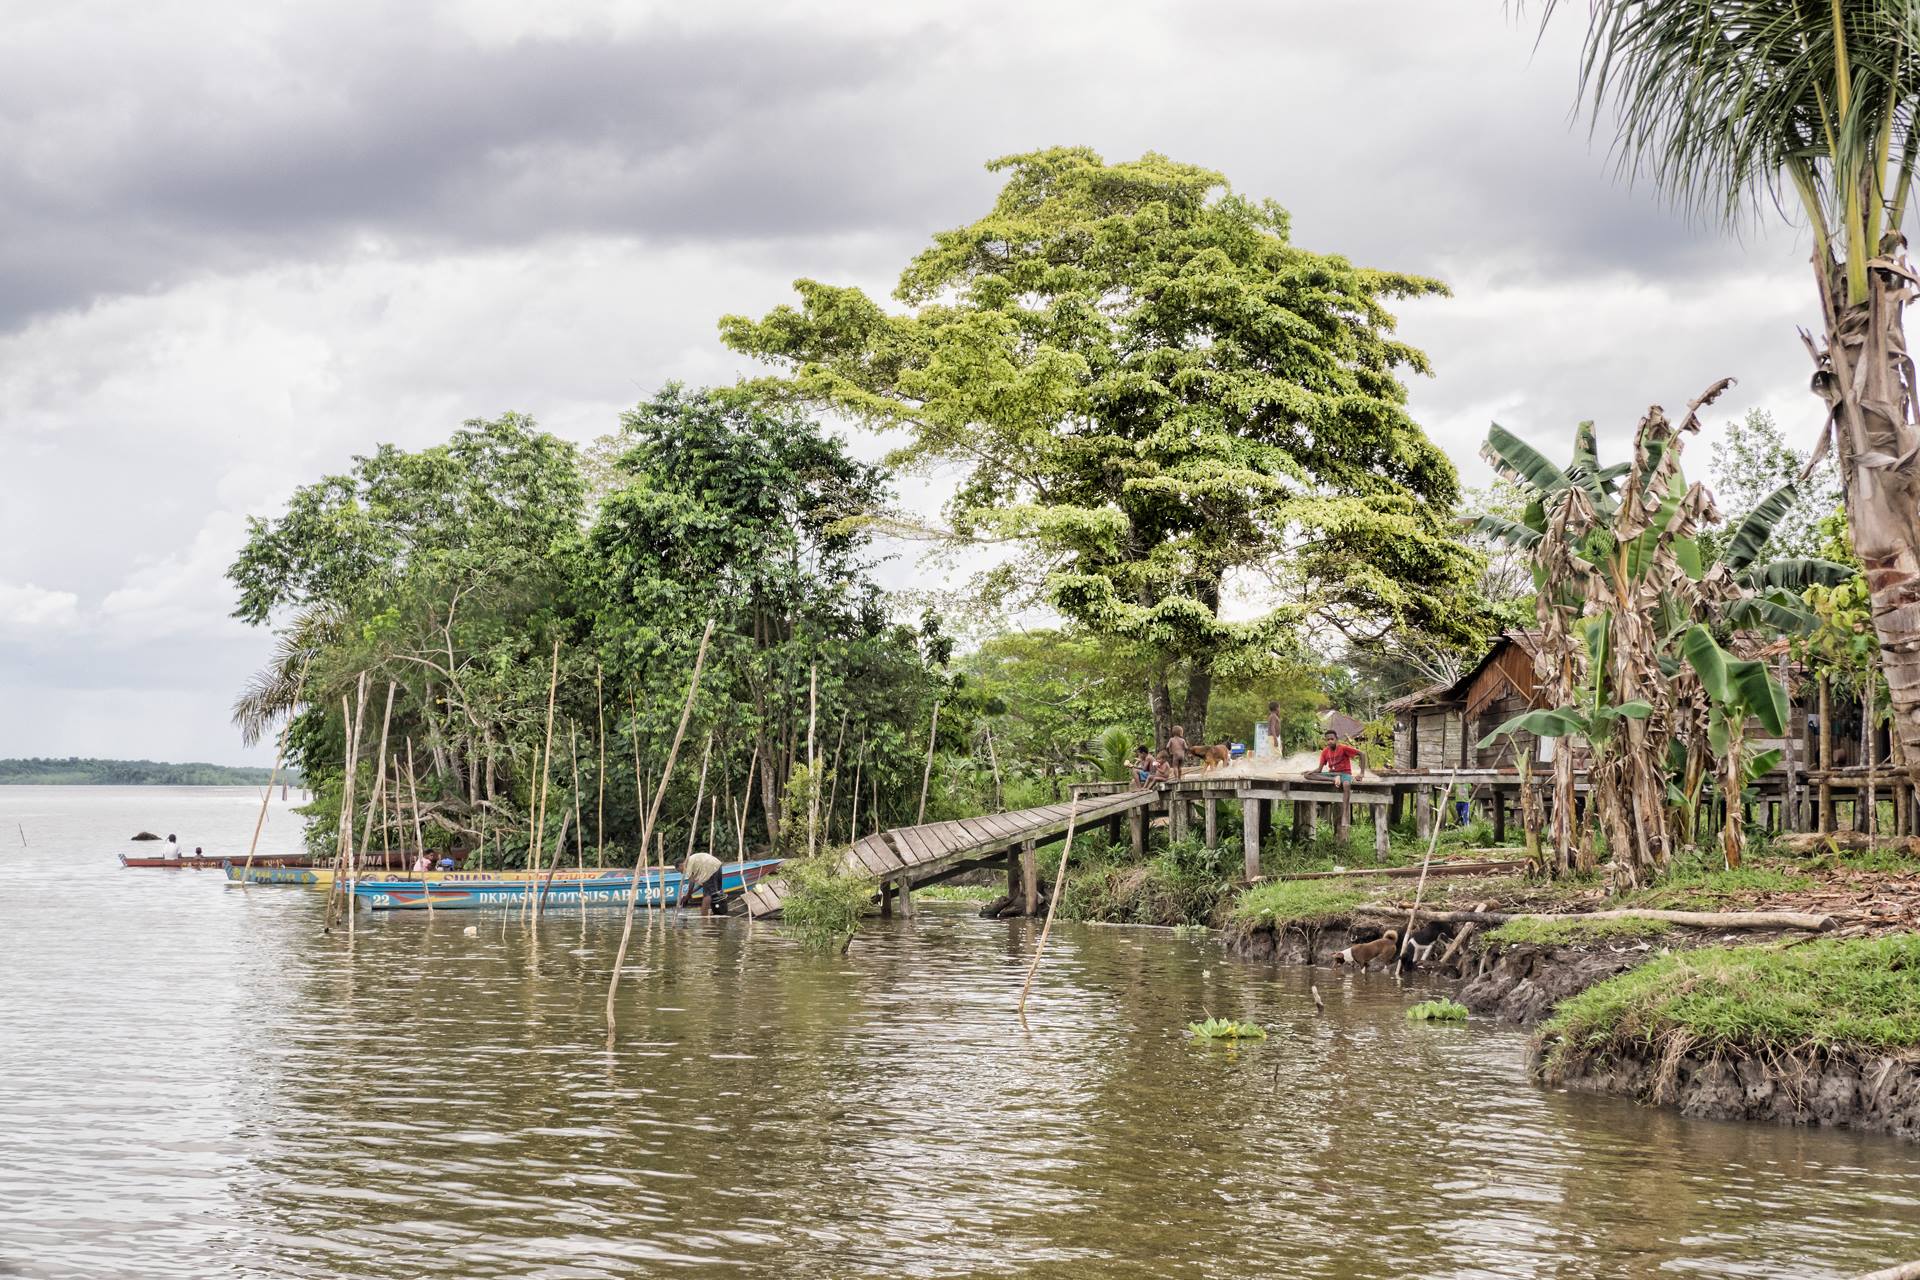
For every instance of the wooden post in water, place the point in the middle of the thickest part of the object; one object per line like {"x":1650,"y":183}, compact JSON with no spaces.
{"x":379,"y":773}
{"x":1029,"y":879}
{"x":419,"y":831}
{"x":279,"y":755}
{"x":646,"y":831}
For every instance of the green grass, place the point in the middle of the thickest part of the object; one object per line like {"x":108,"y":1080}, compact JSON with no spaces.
{"x":959,"y":893}
{"x":1756,"y":999}
{"x":1698,"y":889}
{"x":1438,"y":1011}
{"x":1301,"y":901}
{"x":1554,"y":932}
{"x":1881,"y":859}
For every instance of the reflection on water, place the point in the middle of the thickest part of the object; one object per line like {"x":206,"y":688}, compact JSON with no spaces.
{"x":196,"y":1081}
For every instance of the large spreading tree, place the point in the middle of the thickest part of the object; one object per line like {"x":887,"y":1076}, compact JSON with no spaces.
{"x":1167,"y":406}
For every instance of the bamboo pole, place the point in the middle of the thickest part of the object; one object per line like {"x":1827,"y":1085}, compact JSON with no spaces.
{"x":600,"y":822}
{"x":641,"y":862}
{"x":926,"y":776}
{"x":1826,"y":755}
{"x":539,"y":834}
{"x":279,"y":755}
{"x":853,"y":818}
{"x":1053,"y":899}
{"x":833,"y":770}
{"x":379,"y":770}
{"x":693,"y":823}
{"x":646,"y":831}
{"x":579,"y":827}
{"x":349,"y":794}
{"x":419,"y":831}
{"x":1871,"y":739}
{"x":813,"y":762}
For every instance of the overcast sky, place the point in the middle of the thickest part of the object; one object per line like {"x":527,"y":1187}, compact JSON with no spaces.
{"x":241,"y":242}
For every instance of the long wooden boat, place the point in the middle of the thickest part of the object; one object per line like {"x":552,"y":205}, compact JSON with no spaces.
{"x":657,"y":889}
{"x":323,"y":877}
{"x":214,"y":862}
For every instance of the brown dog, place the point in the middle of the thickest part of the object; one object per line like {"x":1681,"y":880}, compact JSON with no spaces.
{"x":1362,"y":954}
{"x":1215,"y":756}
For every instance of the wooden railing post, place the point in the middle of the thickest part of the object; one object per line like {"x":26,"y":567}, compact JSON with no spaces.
{"x":1250,"y":835}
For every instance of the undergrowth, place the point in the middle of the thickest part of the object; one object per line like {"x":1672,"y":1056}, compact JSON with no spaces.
{"x":1551,"y":932}
{"x":1696,"y":888}
{"x":1301,"y":901}
{"x":824,"y":902}
{"x":1765,"y":999}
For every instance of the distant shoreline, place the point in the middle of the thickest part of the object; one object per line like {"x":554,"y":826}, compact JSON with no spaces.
{"x":42,"y":771}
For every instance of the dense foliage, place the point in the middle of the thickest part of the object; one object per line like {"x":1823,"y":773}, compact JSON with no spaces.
{"x":82,"y":771}
{"x":1166,"y":405}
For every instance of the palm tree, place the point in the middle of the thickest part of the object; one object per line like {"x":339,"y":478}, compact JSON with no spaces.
{"x":1726,"y":104}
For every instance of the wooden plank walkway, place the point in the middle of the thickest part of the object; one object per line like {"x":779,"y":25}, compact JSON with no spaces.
{"x":931,"y":850}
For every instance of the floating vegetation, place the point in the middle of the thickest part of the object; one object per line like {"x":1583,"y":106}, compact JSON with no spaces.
{"x":1438,"y":1011}
{"x":1226,"y":1029}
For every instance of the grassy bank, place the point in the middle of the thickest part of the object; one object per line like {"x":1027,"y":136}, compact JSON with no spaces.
{"x":1776,"y":1001}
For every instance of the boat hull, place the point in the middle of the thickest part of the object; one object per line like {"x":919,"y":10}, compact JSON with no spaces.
{"x":322,"y":877}
{"x":656,"y":889}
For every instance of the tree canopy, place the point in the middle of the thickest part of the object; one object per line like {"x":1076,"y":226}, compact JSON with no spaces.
{"x":1160,"y":400}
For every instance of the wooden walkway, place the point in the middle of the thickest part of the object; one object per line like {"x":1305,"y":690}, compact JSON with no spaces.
{"x":933,"y":851}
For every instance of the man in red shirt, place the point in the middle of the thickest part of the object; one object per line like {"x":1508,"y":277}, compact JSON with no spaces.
{"x":1338,"y":758}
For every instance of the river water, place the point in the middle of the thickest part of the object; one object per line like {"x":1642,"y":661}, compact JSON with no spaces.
{"x":196,"y":1081}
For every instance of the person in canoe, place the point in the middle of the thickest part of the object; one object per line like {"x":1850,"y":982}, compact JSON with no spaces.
{"x":423,"y":861}
{"x":702,"y":872}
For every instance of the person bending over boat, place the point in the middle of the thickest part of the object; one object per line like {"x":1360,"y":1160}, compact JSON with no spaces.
{"x":702,"y":872}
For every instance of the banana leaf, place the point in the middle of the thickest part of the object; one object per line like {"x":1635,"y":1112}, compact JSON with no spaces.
{"x":1542,"y":722}
{"x":1798,"y":574}
{"x":1515,"y":458}
{"x":1749,"y":537}
{"x":1742,"y":686}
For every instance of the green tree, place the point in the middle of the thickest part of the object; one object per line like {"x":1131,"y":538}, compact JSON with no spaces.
{"x":1164,"y":402}
{"x":1751,"y":463}
{"x":1740,"y":102}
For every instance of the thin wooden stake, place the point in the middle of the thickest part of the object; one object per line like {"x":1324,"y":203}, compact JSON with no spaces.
{"x":813,"y":761}
{"x":853,"y":818}
{"x":926,"y":777}
{"x":280,"y":754}
{"x":833,"y":769}
{"x":600,"y":822}
{"x":1053,"y":899}
{"x":539,"y":835}
{"x":693,"y":823}
{"x":419,"y":831}
{"x":379,"y":771}
{"x":646,"y":831}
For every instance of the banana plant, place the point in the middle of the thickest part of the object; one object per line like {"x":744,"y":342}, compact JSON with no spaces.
{"x":1742,"y":690}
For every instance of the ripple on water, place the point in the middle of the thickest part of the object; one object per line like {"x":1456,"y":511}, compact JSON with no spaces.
{"x":195,"y":1081}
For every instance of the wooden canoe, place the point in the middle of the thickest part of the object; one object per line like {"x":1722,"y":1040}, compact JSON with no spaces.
{"x":657,"y":889}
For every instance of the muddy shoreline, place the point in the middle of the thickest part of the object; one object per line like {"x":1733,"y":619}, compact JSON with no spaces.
{"x":1866,"y":1089}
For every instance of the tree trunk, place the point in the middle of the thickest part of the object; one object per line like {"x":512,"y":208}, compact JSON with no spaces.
{"x":1160,"y":701}
{"x":1866,"y":378}
{"x":1732,"y":766}
{"x":1199,"y":693}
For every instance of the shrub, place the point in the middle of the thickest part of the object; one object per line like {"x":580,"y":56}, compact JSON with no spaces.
{"x":824,"y":902}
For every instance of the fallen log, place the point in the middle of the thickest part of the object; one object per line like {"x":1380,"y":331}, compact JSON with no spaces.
{"x":1822,"y":841}
{"x":1692,"y":919}
{"x":1438,"y":869}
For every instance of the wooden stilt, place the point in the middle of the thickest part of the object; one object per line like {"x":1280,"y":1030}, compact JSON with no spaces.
{"x":1422,"y":812}
{"x":1499,"y":803}
{"x":1029,"y":880}
{"x":1268,"y":810}
{"x":1211,"y":807}
{"x":1250,"y":835}
{"x":1137,"y":821}
{"x":906,"y":898}
{"x":1176,"y":817}
{"x":1380,"y":844}
{"x":886,"y":899}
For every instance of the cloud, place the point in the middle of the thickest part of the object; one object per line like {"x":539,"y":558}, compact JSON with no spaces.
{"x":240,"y":243}
{"x":32,"y":612}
